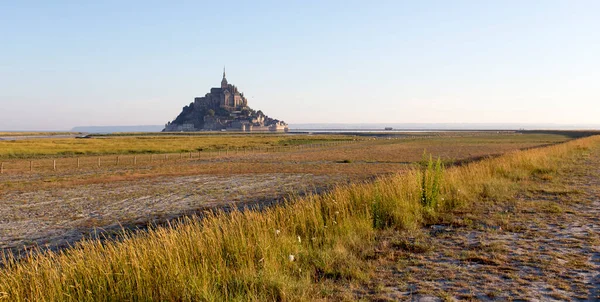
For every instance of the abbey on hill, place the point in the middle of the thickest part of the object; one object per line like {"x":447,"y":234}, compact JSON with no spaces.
{"x":224,"y":108}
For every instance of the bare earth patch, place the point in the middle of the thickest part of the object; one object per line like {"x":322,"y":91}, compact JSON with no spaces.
{"x":58,"y":217}
{"x":58,"y":208}
{"x":545,"y":246}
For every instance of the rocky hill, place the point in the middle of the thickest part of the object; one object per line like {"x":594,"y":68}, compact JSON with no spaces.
{"x":223,"y":108}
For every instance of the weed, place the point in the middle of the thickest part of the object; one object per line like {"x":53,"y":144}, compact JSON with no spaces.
{"x":431,"y":177}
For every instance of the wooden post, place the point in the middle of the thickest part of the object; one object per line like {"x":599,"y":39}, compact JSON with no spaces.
{"x":54,"y":164}
{"x":78,"y":163}
{"x":1,"y":168}
{"x":118,"y":160}
{"x":134,"y":160}
{"x":98,"y":162}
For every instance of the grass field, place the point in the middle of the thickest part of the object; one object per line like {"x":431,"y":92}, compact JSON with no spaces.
{"x":182,"y":143}
{"x":316,"y":247}
{"x":348,"y":155}
{"x":145,"y":144}
{"x":58,"y":204}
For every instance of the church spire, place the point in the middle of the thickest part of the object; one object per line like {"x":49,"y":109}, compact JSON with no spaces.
{"x":224,"y":80}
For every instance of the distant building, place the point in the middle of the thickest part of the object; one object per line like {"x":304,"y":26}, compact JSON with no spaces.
{"x":223,"y":108}
{"x":227,"y":97}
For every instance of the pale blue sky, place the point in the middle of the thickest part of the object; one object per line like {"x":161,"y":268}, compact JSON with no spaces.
{"x":73,"y":63}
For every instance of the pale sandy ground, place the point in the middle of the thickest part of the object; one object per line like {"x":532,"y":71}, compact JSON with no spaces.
{"x":545,"y":246}
{"x":59,"y":217}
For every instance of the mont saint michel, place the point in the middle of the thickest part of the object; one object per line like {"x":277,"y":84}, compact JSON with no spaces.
{"x":223,"y":108}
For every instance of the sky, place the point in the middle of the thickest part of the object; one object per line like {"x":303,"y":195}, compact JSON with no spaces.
{"x":84,"y":63}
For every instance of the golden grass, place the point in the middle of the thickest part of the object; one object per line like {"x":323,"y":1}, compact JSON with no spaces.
{"x":361,"y":157}
{"x":282,"y":253}
{"x":148,"y":144}
{"x":152,"y":144}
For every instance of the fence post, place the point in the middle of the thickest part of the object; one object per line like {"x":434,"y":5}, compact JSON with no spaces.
{"x":54,"y":164}
{"x":98,"y":162}
{"x":118,"y":160}
{"x":30,"y":166}
{"x":1,"y":168}
{"x":78,"y":163}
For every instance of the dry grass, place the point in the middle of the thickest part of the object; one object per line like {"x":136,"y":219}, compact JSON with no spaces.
{"x":282,"y":253}
{"x":59,"y":217}
{"x":361,"y":157}
{"x":529,"y":237}
{"x":152,"y":144}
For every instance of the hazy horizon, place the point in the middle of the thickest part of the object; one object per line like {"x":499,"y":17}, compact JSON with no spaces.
{"x":343,"y":126}
{"x":109,"y":63}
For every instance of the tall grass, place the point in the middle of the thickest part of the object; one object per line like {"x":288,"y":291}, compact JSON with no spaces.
{"x":281,"y":253}
{"x":431,"y":175}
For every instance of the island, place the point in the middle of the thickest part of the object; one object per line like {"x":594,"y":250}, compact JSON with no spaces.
{"x":224,"y":108}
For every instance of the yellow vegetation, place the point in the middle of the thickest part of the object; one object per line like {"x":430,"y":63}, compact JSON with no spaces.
{"x":281,"y":253}
{"x":151,"y":144}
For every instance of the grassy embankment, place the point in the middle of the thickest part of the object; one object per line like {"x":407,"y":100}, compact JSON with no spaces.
{"x":287,"y":252}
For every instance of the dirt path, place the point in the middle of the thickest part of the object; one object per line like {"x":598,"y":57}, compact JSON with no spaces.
{"x":545,"y":246}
